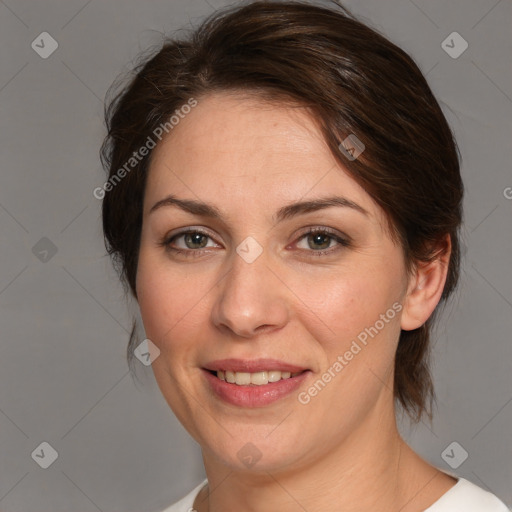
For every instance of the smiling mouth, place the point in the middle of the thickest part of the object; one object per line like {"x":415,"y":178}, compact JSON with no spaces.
{"x":254,"y":379}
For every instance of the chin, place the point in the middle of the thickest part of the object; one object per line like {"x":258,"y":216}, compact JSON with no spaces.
{"x":252,"y":450}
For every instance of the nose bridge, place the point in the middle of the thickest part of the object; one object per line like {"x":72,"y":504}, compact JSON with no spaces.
{"x":249,"y":295}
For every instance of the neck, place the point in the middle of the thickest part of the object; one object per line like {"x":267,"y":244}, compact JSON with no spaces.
{"x":373,"y":468}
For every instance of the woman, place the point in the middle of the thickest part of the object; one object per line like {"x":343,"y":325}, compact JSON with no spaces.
{"x":283,"y":201}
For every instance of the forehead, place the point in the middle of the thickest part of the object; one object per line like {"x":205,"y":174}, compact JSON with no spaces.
{"x":234,"y":123}
{"x":247,"y":149}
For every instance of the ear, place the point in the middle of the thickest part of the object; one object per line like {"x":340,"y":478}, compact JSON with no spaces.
{"x":426,"y":287}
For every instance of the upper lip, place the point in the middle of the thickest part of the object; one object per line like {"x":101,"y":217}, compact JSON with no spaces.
{"x":252,"y":365}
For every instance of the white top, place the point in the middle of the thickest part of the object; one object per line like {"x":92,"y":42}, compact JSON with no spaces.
{"x":464,"y":496}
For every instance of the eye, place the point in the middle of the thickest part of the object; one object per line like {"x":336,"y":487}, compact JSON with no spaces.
{"x":188,"y":242}
{"x":316,"y":241}
{"x":320,"y":241}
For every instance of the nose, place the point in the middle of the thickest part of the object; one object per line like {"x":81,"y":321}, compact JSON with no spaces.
{"x":251,"y":299}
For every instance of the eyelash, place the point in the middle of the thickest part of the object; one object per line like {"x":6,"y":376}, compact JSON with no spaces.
{"x":194,"y":253}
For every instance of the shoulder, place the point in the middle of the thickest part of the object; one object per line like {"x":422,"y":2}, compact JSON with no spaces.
{"x":465,"y":496}
{"x":186,"y":503}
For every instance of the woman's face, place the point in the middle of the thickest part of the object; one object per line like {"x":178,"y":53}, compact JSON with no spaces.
{"x":243,"y":285}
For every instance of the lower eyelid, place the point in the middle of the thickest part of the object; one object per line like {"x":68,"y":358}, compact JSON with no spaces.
{"x":333,"y":249}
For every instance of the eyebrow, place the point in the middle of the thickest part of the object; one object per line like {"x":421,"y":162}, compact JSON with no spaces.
{"x":208,"y":210}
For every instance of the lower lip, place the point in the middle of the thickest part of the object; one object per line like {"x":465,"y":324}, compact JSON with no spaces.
{"x":252,"y":395}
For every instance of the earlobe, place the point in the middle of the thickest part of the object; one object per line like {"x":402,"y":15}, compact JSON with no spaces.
{"x":426,"y":287}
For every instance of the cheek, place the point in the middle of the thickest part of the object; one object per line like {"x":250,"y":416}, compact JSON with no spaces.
{"x":169,"y":301}
{"x":356,"y":327}
{"x":347,"y":305}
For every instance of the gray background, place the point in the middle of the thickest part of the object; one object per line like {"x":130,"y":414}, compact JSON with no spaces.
{"x":64,"y":320}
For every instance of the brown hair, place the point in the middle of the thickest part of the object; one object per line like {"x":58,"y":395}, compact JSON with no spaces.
{"x":354,"y":81}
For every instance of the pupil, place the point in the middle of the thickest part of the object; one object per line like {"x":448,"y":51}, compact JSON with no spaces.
{"x":194,"y":238}
{"x":320,"y":239}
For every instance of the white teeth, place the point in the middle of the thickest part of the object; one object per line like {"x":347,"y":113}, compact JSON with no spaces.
{"x":242,"y":378}
{"x":274,"y":376}
{"x":257,"y":378}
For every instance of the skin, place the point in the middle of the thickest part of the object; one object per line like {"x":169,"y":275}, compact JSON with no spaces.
{"x":342,"y":450}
